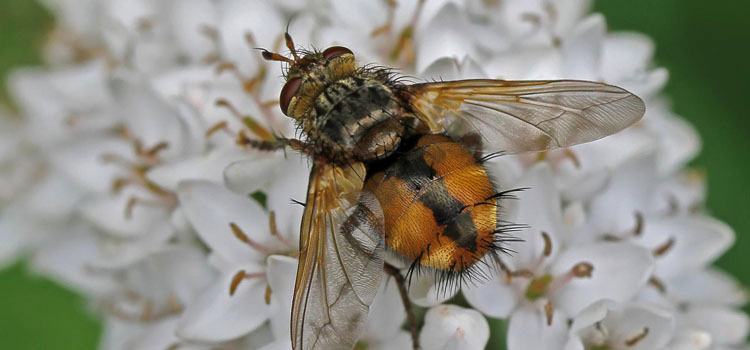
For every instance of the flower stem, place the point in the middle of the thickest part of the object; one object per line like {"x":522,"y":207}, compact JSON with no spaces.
{"x":411,"y":317}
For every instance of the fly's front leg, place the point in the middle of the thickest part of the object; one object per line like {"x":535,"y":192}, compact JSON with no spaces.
{"x":276,"y":144}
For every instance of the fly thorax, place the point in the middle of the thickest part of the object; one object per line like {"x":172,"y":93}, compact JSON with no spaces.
{"x":357,"y":117}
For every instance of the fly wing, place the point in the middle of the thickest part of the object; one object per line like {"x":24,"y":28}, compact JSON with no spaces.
{"x":341,"y":259}
{"x":527,"y":116}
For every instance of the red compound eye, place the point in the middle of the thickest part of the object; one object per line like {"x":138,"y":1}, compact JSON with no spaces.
{"x":290,"y":88}
{"x":335,"y":51}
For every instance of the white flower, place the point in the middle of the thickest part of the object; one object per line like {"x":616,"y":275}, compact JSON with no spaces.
{"x":544,"y":281}
{"x":240,"y":236}
{"x":126,"y":179}
{"x":606,"y":324}
{"x":453,"y":327}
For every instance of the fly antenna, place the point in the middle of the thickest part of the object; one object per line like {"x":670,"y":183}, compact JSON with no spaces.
{"x":273,"y":56}
{"x":290,"y":44}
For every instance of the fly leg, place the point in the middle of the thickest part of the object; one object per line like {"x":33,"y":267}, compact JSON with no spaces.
{"x":410,"y":316}
{"x":276,"y":144}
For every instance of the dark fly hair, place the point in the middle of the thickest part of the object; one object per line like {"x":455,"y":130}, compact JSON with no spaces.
{"x":453,"y":279}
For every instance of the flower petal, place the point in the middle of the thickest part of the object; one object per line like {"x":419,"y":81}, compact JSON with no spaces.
{"x":208,"y":167}
{"x":217,"y":316}
{"x":625,"y":54}
{"x":614,"y":210}
{"x":582,"y":50}
{"x":281,"y":271}
{"x":697,"y":241}
{"x":425,"y":290}
{"x":493,"y":298}
{"x":725,"y":325}
{"x":65,"y":259}
{"x":447,"y":37}
{"x":253,"y":174}
{"x":83,"y":161}
{"x":386,"y":315}
{"x":690,"y":339}
{"x":451,"y":327}
{"x":211,"y":208}
{"x":633,"y":320}
{"x":539,"y":208}
{"x":528,"y":329}
{"x":118,"y":216}
{"x":709,"y":286}
{"x":621,"y":269}
{"x":239,"y":18}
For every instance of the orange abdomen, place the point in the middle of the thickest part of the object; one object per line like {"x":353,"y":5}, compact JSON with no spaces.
{"x":438,"y":204}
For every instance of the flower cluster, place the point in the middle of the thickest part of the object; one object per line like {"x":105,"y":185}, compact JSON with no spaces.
{"x":128,"y":179}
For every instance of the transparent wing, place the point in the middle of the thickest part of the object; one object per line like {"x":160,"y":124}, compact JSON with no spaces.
{"x":527,"y":116}
{"x":341,"y":259}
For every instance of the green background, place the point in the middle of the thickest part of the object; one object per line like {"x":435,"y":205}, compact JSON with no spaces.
{"x":702,"y":43}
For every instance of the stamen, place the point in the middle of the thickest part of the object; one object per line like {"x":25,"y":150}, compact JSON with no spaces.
{"x":129,"y":207}
{"x":579,"y":270}
{"x":636,"y":231}
{"x":547,"y":244}
{"x":257,"y":129}
{"x":222,"y":125}
{"x":120,"y":183}
{"x":154,"y":151}
{"x":267,"y":295}
{"x":522,"y":273}
{"x":385,"y":28}
{"x":549,"y":311}
{"x":546,"y":252}
{"x":247,"y":120}
{"x":275,"y":231}
{"x":174,"y":303}
{"x":531,"y":17}
{"x":405,"y":40}
{"x":244,"y":238}
{"x":658,"y":284}
{"x":637,"y":338}
{"x":148,"y":157}
{"x":147,"y":313}
{"x":504,"y":268}
{"x":145,"y":24}
{"x":599,"y":339}
{"x":270,"y":104}
{"x":541,"y":156}
{"x":117,"y":159}
{"x":573,"y":157}
{"x":551,"y":11}
{"x":209,"y":31}
{"x":134,"y":200}
{"x":239,"y":277}
{"x":213,"y":34}
{"x":664,"y":248}
{"x":272,"y":223}
{"x":582,"y":269}
{"x":248,"y":84}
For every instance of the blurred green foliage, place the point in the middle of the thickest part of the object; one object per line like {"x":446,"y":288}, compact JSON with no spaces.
{"x":23,"y":25}
{"x":703,"y":44}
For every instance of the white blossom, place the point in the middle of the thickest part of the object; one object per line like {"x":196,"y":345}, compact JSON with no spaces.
{"x":124,"y":178}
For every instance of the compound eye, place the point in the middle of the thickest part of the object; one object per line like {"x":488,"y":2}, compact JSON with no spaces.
{"x":335,"y":51}
{"x":287,"y":92}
